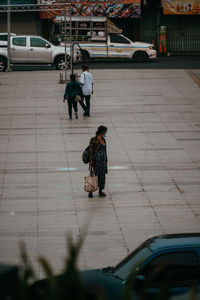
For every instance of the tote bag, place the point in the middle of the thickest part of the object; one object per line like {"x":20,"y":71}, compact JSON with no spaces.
{"x":91,"y":183}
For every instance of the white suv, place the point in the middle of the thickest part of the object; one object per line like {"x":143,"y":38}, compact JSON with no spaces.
{"x":34,"y":50}
{"x":4,"y":39}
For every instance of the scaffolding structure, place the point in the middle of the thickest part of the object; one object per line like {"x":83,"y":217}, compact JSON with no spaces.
{"x":34,"y":7}
{"x":58,"y":6}
{"x":64,"y":8}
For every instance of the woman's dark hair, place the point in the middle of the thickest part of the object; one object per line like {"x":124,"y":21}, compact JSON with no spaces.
{"x":100,"y":130}
{"x":72,"y":77}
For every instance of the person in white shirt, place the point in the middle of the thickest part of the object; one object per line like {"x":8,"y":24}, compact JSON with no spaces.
{"x":86,"y":82}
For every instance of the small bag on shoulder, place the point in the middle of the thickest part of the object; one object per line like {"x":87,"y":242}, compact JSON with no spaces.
{"x":78,"y":98}
{"x":77,"y":93}
{"x":86,"y":155}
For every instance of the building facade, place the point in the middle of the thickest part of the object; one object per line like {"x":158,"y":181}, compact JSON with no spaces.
{"x":182,"y":26}
{"x":24,"y":22}
{"x":139,"y":19}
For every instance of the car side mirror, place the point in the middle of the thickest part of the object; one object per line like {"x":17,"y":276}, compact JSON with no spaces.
{"x":139,"y":282}
{"x":48,"y":46}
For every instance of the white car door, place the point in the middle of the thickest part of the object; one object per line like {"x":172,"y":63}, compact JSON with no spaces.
{"x":119,"y":46}
{"x":39,"y":51}
{"x":18,"y":50}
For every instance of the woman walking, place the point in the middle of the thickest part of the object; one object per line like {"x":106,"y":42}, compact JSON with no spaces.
{"x":73,"y":89}
{"x":98,"y":158}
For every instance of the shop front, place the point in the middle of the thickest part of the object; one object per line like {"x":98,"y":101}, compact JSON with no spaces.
{"x":181,"y":22}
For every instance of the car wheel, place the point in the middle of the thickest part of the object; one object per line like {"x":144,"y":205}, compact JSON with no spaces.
{"x":140,"y":56}
{"x":60,"y":63}
{"x":3,"y":64}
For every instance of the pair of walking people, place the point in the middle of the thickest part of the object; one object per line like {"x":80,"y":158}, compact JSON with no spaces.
{"x":84,"y":89}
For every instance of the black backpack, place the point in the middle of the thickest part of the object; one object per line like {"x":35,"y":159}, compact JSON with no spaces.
{"x":86,"y":155}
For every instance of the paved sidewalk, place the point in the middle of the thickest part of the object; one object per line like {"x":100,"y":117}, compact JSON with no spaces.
{"x":153,"y":185}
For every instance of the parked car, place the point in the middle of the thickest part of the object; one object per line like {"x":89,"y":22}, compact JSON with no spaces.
{"x":4,"y":39}
{"x":169,"y":262}
{"x":173,"y":259}
{"x":34,"y":50}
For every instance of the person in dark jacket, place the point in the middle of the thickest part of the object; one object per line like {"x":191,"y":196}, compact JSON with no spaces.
{"x":73,"y":89}
{"x":98,"y":158}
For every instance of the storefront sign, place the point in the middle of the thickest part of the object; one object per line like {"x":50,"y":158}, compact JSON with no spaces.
{"x":97,"y":8}
{"x":187,"y":7}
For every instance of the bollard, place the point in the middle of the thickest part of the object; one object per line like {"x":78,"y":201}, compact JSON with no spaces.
{"x":62,"y":80}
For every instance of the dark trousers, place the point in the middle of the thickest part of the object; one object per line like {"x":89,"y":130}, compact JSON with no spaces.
{"x":82,"y":104}
{"x":71,"y":102}
{"x":87,"y":101}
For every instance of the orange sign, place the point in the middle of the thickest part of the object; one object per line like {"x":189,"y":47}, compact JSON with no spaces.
{"x":186,"y":7}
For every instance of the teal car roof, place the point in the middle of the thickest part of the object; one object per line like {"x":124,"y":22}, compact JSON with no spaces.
{"x":173,"y":240}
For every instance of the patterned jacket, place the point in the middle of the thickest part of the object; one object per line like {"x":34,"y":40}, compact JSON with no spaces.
{"x":94,"y":146}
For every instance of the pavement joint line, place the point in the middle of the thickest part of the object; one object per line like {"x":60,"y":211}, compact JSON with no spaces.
{"x":194,"y":77}
{"x":42,"y":232}
{"x":6,"y":158}
{"x":188,"y":139}
{"x":115,"y":211}
{"x":73,"y":213}
{"x":133,"y":132}
{"x":41,"y":212}
{"x":30,"y":170}
{"x":145,"y":190}
{"x":82,"y":229}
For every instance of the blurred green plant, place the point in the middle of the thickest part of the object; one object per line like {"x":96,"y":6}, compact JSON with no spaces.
{"x":67,"y":285}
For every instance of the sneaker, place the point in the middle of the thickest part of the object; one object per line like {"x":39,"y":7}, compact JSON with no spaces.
{"x":69,"y":118}
{"x":102,"y":194}
{"x":90,"y":195}
{"x":76,"y":116}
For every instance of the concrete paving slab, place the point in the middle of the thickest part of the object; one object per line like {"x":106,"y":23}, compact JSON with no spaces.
{"x":153,"y":184}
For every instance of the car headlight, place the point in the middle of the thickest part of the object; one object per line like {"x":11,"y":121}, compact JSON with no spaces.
{"x":151,"y":47}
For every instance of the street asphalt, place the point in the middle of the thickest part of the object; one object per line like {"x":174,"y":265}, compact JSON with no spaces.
{"x":153,"y":184}
{"x":172,"y":62}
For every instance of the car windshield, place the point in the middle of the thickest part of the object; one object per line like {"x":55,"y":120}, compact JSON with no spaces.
{"x":132,"y":261}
